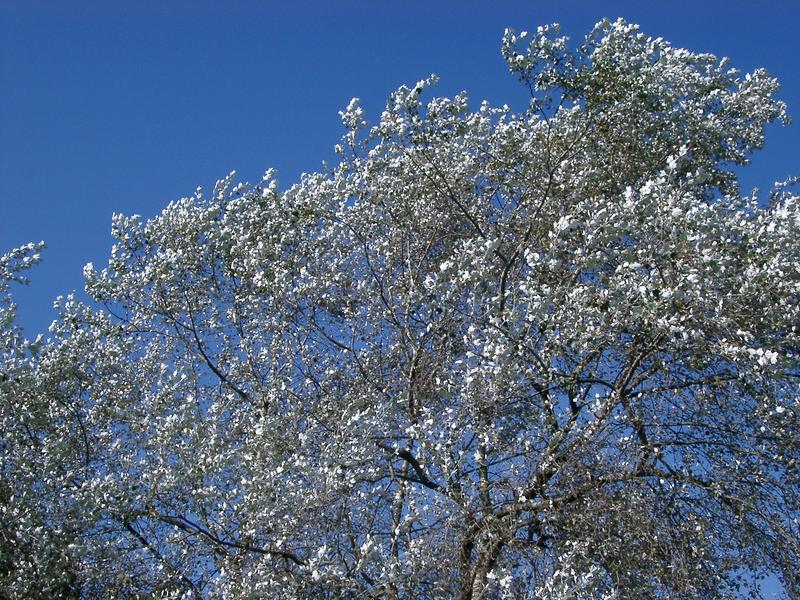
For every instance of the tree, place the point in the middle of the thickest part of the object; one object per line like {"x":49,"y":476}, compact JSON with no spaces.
{"x":33,"y":557}
{"x":547,"y":354}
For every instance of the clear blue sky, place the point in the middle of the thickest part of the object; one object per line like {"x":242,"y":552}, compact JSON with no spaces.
{"x":122,"y":106}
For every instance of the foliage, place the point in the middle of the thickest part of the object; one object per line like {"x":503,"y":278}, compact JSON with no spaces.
{"x":545,"y":354}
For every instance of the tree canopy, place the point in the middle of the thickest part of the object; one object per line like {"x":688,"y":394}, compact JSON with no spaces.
{"x":547,"y":353}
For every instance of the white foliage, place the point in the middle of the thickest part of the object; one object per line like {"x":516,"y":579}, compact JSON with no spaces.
{"x":551,"y":354}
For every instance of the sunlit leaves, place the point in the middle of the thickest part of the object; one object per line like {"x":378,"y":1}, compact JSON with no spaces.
{"x":487,"y":354}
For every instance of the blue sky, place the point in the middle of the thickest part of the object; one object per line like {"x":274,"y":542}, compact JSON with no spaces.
{"x":123,"y":106}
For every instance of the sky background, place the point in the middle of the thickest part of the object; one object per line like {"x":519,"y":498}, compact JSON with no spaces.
{"x":122,"y":106}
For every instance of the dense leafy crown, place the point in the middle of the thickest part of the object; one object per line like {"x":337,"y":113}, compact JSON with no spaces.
{"x":489,"y":354}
